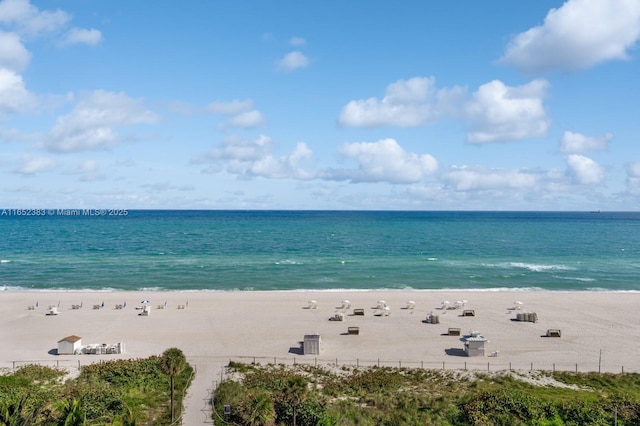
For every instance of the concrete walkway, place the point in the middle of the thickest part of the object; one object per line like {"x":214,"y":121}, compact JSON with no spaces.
{"x":197,"y":402}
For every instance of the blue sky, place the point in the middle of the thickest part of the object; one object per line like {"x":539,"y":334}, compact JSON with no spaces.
{"x":456,"y":105}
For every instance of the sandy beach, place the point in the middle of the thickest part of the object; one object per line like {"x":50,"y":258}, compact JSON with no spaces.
{"x":599,"y":329}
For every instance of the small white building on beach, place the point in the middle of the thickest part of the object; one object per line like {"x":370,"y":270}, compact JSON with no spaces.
{"x":311,"y":344}
{"x":474,"y":345}
{"x":70,"y":345}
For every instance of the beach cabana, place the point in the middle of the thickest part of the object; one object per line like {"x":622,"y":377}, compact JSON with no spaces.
{"x":311,"y":344}
{"x":70,"y":345}
{"x":433,"y":319}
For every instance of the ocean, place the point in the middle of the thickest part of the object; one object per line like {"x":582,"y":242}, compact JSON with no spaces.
{"x":103,"y":250}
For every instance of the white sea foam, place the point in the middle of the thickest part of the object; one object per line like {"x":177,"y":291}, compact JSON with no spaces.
{"x":582,"y":279}
{"x":288,"y":262}
{"x":4,"y":261}
{"x":537,"y":267}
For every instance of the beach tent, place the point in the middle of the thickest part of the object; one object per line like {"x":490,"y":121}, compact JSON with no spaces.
{"x":70,"y":345}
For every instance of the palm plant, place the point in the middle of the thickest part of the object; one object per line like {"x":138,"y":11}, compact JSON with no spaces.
{"x":72,"y":413}
{"x":295,"y":392}
{"x":172,"y":363}
{"x":262,"y":412}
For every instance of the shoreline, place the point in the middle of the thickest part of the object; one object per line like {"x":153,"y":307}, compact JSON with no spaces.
{"x":328,"y":290}
{"x":224,"y":325}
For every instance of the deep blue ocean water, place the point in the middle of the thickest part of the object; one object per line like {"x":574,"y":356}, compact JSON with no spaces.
{"x":320,"y":250}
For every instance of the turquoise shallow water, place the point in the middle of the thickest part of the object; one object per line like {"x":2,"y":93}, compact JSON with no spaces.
{"x":321,"y":250}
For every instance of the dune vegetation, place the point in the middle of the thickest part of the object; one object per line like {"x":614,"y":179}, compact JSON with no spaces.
{"x":307,"y":395}
{"x":120,"y":392}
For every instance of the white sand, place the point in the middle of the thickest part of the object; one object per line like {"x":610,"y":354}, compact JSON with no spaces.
{"x":600,"y":331}
{"x":229,"y":325}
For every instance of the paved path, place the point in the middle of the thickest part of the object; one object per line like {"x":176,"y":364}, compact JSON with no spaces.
{"x":197,"y":403}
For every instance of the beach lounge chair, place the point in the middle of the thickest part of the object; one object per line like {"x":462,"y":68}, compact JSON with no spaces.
{"x":459,"y":304}
{"x":353,"y":330}
{"x":312,"y":304}
{"x":468,"y":313}
{"x":346,"y":304}
{"x":339,"y":316}
{"x":410,"y":305}
{"x":554,"y":332}
{"x":359,"y":312}
{"x":454,"y":331}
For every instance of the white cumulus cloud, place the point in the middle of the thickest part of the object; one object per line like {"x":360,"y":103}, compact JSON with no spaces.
{"x":383,"y":161}
{"x":578,"y":35}
{"x":242,"y":113}
{"x":256,"y":158}
{"x":633,"y":177}
{"x":406,"y":103}
{"x":247,"y":120}
{"x":93,"y":123}
{"x":464,"y":178}
{"x":571,"y":142}
{"x":231,"y":108}
{"x":293,"y":61}
{"x":28,"y":21}
{"x":502,"y":113}
{"x":32,"y":166}
{"x":82,"y":36}
{"x":13,"y":54}
{"x":14,"y":97}
{"x":583,"y":170}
